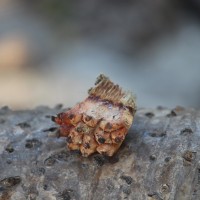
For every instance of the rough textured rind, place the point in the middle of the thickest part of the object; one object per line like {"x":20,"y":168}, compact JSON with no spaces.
{"x":99,"y":123}
{"x":159,"y":159}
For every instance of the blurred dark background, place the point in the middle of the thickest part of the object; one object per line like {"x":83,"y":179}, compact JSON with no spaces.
{"x":52,"y":51}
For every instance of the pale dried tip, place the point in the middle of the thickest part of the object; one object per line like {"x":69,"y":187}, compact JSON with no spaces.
{"x":100,"y":78}
{"x":107,"y":90}
{"x":129,"y":100}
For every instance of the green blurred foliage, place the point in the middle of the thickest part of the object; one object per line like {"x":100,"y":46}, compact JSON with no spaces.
{"x":56,"y":10}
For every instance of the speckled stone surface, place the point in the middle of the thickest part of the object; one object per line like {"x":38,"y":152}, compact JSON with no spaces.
{"x":159,"y":159}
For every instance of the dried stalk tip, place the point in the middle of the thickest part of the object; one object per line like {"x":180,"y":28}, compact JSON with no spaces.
{"x":99,"y":123}
{"x":107,"y":90}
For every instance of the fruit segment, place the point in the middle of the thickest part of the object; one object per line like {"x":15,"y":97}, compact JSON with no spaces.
{"x":99,"y":123}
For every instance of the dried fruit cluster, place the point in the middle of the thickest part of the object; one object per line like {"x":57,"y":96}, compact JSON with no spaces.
{"x":100,"y":123}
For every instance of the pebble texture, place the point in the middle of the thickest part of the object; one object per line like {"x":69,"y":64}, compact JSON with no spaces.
{"x":159,"y":159}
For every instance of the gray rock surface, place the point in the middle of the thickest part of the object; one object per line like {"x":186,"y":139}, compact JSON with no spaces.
{"x":158,"y":160}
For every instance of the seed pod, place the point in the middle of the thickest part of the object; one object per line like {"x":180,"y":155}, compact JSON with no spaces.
{"x":99,"y":123}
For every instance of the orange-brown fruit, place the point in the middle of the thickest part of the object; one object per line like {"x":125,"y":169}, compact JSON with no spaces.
{"x":99,"y":123}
